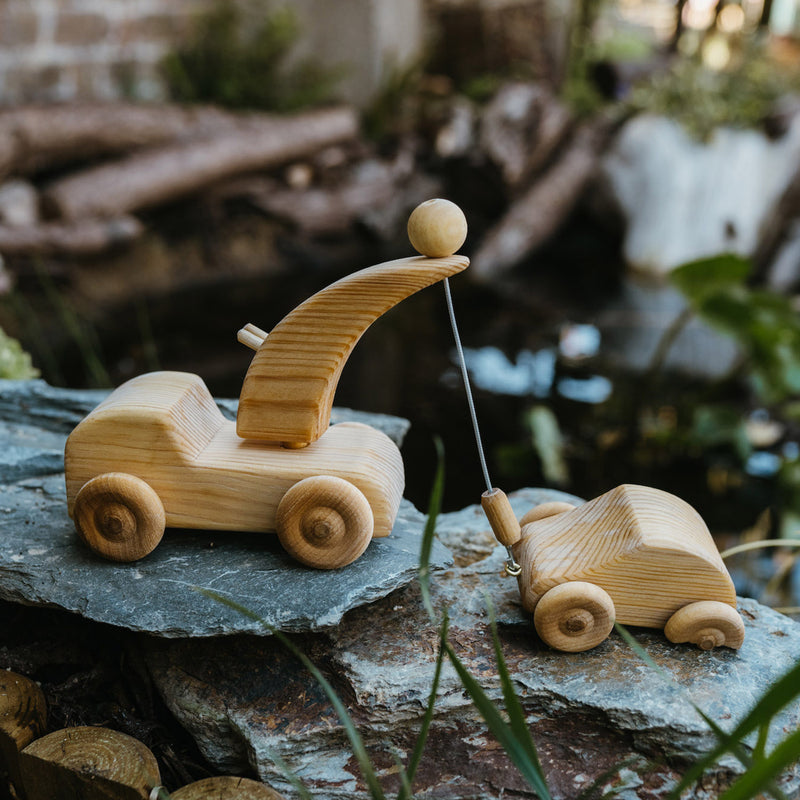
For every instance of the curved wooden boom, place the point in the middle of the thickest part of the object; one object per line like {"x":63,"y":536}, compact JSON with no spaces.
{"x":288,"y":391}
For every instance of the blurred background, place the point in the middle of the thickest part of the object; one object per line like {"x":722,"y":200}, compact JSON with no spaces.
{"x":630,"y":170}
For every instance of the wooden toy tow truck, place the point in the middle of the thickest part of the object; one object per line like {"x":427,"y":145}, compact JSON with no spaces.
{"x":635,"y":554}
{"x":158,"y":452}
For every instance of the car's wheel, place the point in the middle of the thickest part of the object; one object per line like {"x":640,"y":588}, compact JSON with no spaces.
{"x":574,"y":616}
{"x":708,"y":624}
{"x":544,"y":510}
{"x":119,"y":516}
{"x":324,"y":522}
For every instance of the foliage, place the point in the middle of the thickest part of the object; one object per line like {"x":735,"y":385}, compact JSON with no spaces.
{"x":763,"y":323}
{"x":241,"y":59}
{"x":393,"y":108}
{"x":702,"y":99}
{"x":15,"y":363}
{"x":579,"y":89}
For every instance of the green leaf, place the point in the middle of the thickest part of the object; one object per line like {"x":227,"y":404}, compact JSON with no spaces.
{"x":15,"y":363}
{"x":698,"y":280}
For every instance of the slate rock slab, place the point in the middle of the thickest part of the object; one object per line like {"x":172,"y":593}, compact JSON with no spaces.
{"x":589,"y":712}
{"x":41,"y":562}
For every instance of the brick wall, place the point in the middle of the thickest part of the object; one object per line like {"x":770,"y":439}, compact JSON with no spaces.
{"x":108,"y":49}
{"x":68,"y":49}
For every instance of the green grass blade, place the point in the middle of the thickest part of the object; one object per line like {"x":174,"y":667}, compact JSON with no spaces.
{"x":780,"y":694}
{"x":591,"y":791}
{"x":771,"y":702}
{"x":515,"y":750}
{"x":516,"y":716}
{"x":290,"y":776}
{"x":762,"y":773}
{"x":434,"y":507}
{"x":356,"y":742}
{"x":419,"y":748}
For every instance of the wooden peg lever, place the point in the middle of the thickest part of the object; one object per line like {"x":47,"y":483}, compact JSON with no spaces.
{"x":251,"y":336}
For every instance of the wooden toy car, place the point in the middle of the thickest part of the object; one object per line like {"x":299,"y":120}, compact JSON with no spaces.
{"x":636,"y":554}
{"x":158,"y":452}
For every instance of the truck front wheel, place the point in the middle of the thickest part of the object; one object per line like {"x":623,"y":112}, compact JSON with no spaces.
{"x":324,"y":522}
{"x":119,"y":516}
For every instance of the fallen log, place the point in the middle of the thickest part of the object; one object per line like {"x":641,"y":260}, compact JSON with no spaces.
{"x":522,"y":127}
{"x":160,"y":175}
{"x":85,"y":237}
{"x":538,"y":213}
{"x":41,"y":137}
{"x":321,"y":210}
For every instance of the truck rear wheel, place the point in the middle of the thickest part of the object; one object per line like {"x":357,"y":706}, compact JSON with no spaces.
{"x":324,"y":522}
{"x":119,"y":516}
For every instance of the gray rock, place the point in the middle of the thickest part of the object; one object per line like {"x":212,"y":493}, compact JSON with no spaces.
{"x":42,"y":563}
{"x":246,"y":700}
{"x":588,"y":712}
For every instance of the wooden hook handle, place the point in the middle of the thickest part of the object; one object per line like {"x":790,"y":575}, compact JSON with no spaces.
{"x":501,"y":517}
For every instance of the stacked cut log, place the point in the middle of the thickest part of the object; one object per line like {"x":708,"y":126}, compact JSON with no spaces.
{"x":91,"y":763}
{"x":77,"y":177}
{"x":124,"y":158}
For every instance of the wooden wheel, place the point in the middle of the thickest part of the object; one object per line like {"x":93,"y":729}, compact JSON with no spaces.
{"x":119,"y":516}
{"x":90,"y":763}
{"x":574,"y":616}
{"x":708,"y":624}
{"x":545,"y":510}
{"x":324,"y":522}
{"x":23,"y":714}
{"x":226,"y":788}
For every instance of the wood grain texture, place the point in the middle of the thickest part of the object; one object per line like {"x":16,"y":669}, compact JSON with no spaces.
{"x":288,"y":391}
{"x":574,"y":616}
{"x":119,"y":516}
{"x":165,"y":429}
{"x":545,"y":510}
{"x":88,"y":763}
{"x":226,"y":788}
{"x":501,"y":516}
{"x":324,"y":522}
{"x":23,"y":713}
{"x":437,"y":228}
{"x":648,"y":549}
{"x":707,"y":624}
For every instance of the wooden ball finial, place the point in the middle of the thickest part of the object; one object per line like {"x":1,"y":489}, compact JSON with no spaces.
{"x":437,"y":228}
